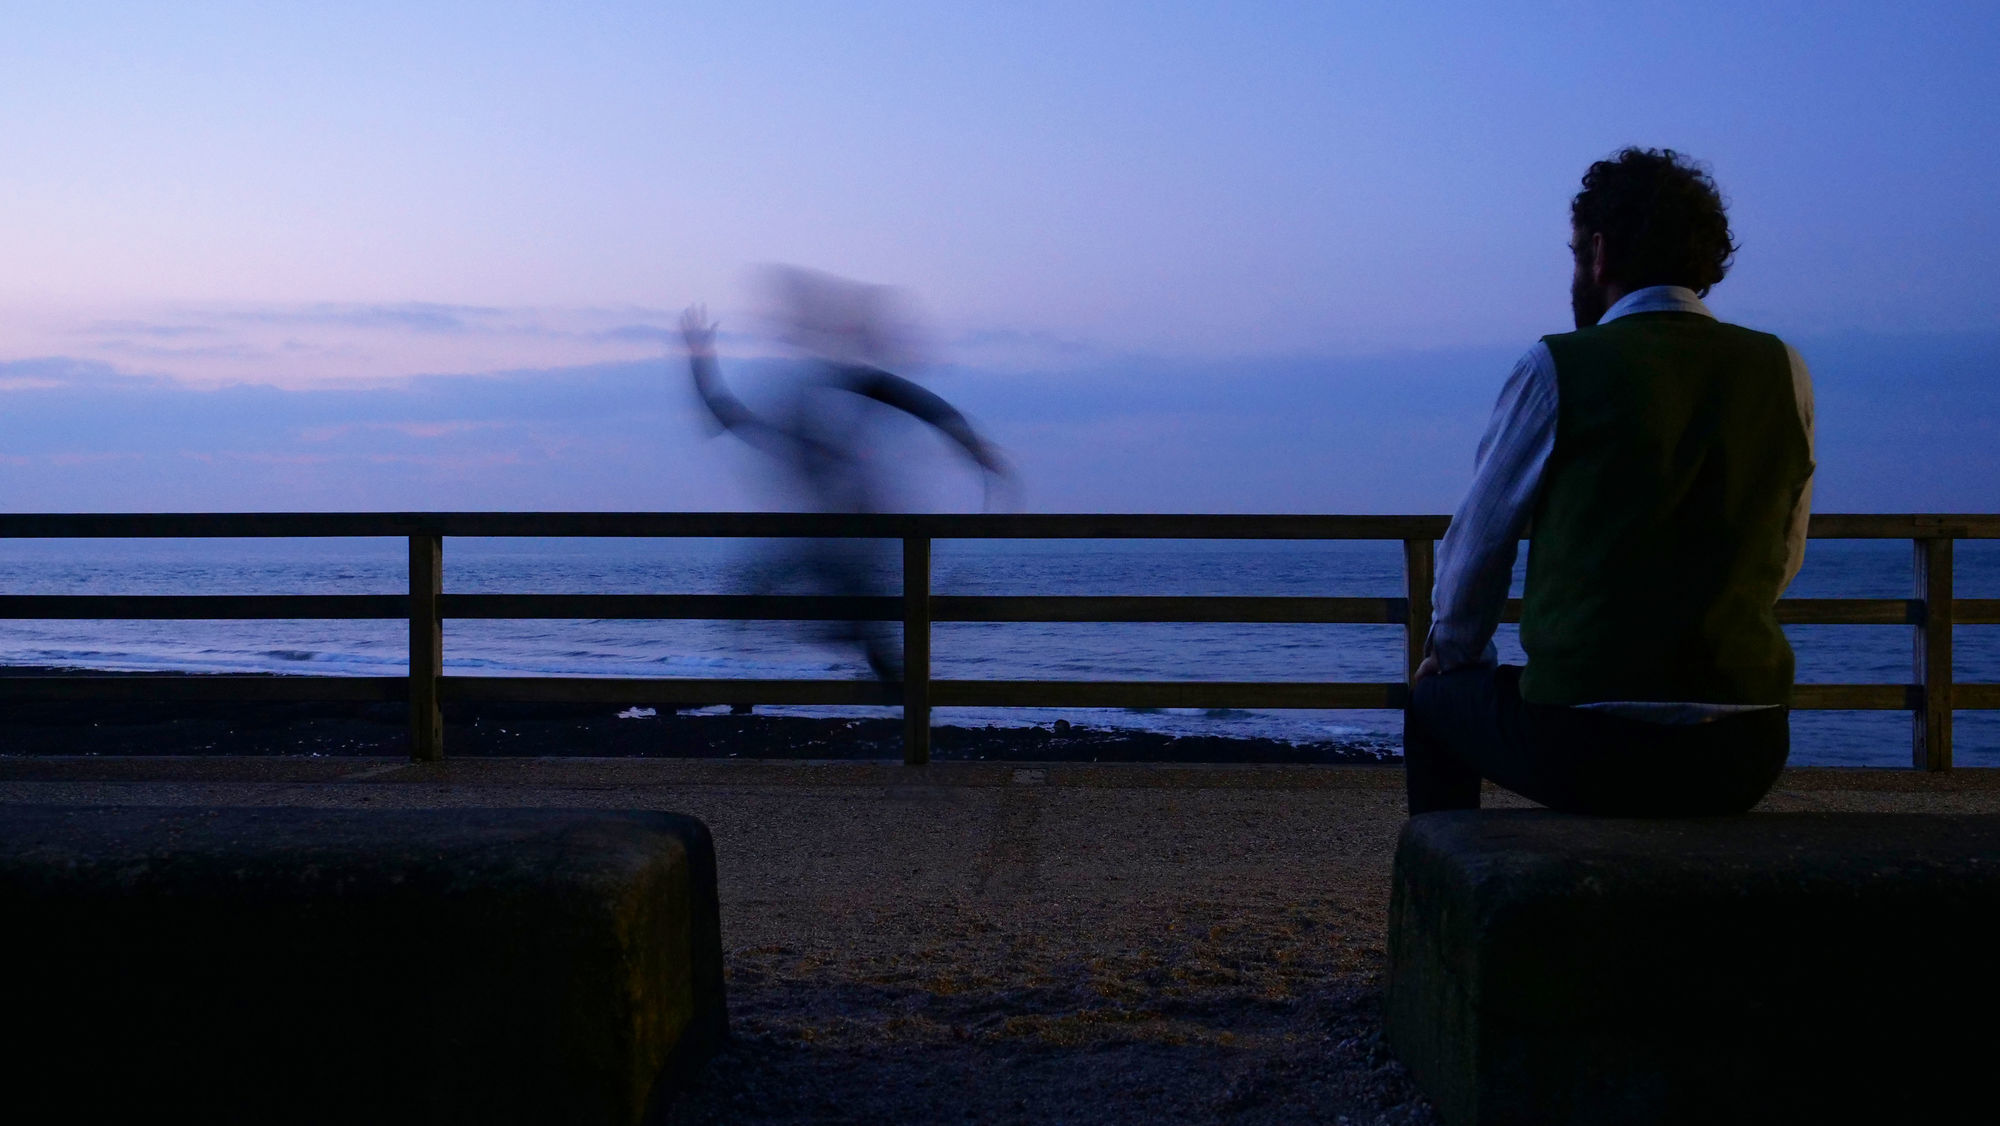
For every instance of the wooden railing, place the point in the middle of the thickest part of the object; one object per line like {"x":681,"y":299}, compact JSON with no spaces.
{"x":1931,"y":612}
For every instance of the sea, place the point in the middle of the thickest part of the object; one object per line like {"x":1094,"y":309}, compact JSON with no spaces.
{"x":1028,"y":651}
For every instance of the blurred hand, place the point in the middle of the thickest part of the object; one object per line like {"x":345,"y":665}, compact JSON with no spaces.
{"x":698,"y":332}
{"x":1003,"y":491}
{"x":989,"y":458}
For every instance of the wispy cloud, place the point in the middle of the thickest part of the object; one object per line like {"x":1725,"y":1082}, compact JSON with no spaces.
{"x":42,"y":373}
{"x":154,"y":355}
{"x":413,"y":316}
{"x":407,"y":429}
{"x":94,"y":457}
{"x":126,"y":329}
{"x":330,"y":344}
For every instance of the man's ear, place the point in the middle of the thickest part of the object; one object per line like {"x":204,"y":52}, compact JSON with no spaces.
{"x":1600,"y":272}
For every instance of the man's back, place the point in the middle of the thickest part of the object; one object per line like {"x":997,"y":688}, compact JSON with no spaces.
{"x":1658,"y":541}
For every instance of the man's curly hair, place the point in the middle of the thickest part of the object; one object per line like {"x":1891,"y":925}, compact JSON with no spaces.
{"x":1662,"y":219}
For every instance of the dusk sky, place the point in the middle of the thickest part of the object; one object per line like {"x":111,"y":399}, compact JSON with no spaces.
{"x":1229,"y":257}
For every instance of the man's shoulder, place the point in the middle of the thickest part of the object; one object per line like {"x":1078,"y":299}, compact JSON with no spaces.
{"x":1769,"y":339}
{"x":1635,"y":327}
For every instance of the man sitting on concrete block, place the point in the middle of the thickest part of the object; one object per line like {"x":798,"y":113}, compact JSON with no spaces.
{"x":1661,"y":463}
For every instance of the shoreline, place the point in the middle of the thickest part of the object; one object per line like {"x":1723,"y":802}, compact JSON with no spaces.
{"x":510,"y":729}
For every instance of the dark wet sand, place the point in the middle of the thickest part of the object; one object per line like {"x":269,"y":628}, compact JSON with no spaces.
{"x":592,"y":730}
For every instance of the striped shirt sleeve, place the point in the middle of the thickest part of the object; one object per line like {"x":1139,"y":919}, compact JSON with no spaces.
{"x":1476,"y":560}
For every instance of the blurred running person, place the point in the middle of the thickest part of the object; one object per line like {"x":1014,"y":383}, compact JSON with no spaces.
{"x":824,"y":438}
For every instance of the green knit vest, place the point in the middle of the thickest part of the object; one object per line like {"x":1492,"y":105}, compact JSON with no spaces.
{"x":1657,"y":548}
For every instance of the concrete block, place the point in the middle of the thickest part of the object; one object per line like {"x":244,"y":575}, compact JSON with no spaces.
{"x":1546,"y":968}
{"x":282,"y":964}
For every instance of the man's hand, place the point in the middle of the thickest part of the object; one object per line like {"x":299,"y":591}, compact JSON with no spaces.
{"x":988,"y":457}
{"x":1426,"y":668}
{"x":698,"y":333}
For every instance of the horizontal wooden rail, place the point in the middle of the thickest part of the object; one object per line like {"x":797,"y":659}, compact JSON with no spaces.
{"x":1904,"y":526}
{"x":1163,"y":694}
{"x":781,"y":525}
{"x":684,"y":692}
{"x":1974,"y":611}
{"x":1822,"y":611}
{"x":1157,"y":608}
{"x":718,"y":525}
{"x":1856,"y":697}
{"x":944,"y":608}
{"x":1976,"y":697}
{"x":838,"y":608}
{"x":1850,"y":611}
{"x":709,"y":607}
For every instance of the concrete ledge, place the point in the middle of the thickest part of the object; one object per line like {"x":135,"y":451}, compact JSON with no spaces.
{"x":1772,"y":968}
{"x":283,"y":964}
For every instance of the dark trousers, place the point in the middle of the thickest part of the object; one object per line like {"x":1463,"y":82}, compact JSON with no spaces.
{"x":1471,"y":723}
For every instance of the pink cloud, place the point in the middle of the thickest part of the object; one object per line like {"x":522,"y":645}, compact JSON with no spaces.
{"x":92,"y":458}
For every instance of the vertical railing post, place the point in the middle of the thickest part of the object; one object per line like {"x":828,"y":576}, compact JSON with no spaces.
{"x":916,"y":650}
{"x":1419,"y":567}
{"x":1932,"y":745}
{"x":426,"y":647}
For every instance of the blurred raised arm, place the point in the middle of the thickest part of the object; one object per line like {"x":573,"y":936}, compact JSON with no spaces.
{"x":698,"y":335}
{"x":913,"y":399}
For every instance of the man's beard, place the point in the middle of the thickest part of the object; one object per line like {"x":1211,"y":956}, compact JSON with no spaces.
{"x":1586,"y":303}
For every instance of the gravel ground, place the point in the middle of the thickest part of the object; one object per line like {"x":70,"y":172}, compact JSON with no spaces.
{"x":1221,"y":1018}
{"x":1069,"y":944}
